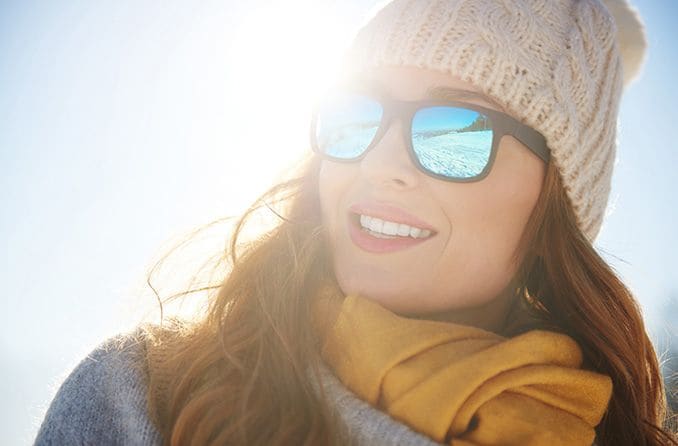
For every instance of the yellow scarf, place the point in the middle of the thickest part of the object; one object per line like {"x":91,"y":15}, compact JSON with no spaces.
{"x":462,"y":385}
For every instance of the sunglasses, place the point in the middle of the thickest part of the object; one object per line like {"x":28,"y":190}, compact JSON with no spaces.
{"x":449,"y":140}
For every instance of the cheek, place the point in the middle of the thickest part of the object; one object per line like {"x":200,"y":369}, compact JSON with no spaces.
{"x":504,"y":202}
{"x":487,"y":221}
{"x":333,"y":182}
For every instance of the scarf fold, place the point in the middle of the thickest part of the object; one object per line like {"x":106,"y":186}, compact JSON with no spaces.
{"x":462,"y":385}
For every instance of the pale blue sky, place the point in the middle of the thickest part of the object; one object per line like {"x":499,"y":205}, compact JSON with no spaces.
{"x":124,"y":124}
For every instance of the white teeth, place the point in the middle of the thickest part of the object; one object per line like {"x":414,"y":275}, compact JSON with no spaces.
{"x":390,"y":228}
{"x":403,"y":230}
{"x":379,"y":226}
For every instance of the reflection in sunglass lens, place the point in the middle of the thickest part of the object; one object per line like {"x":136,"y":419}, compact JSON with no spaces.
{"x":451,"y":141}
{"x":346,"y":125}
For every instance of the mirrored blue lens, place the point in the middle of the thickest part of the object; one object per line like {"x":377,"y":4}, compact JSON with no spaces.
{"x":451,"y":141}
{"x":346,"y":125}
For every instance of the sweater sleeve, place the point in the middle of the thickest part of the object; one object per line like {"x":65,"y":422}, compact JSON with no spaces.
{"x":103,"y":401}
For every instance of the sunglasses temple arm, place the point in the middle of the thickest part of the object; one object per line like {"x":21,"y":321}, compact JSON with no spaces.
{"x":534,"y":140}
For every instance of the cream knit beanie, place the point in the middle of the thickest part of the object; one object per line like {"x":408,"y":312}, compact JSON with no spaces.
{"x":554,"y":64}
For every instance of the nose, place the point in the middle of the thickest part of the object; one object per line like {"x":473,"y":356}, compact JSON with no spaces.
{"x":388,"y":164}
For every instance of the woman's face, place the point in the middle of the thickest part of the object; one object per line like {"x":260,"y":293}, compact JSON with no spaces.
{"x":462,"y":272}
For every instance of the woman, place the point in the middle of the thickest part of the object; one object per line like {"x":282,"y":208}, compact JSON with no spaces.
{"x":431,"y":279}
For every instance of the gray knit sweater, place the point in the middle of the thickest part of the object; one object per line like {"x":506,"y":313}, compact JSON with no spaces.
{"x":103,"y":402}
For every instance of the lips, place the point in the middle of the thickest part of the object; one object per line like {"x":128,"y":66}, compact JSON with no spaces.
{"x":390,"y":213}
{"x":373,"y":244}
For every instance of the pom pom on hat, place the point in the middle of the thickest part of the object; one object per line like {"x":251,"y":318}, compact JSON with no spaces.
{"x":631,"y":37}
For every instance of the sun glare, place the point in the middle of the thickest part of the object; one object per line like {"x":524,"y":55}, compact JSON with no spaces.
{"x":283,"y":55}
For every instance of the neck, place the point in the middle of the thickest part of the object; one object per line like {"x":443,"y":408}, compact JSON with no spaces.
{"x":490,"y":316}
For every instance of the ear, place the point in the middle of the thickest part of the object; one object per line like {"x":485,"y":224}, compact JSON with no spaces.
{"x":631,"y":37}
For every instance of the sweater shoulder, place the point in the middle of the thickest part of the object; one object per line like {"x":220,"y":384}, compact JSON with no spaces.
{"x":104,"y":399}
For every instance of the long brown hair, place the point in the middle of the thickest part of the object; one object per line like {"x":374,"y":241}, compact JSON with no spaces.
{"x":240,"y":374}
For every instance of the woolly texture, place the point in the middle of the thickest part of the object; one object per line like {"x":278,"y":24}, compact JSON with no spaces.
{"x":555,"y":65}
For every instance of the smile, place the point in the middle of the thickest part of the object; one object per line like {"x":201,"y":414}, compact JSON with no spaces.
{"x":390,"y":229}
{"x":385,"y":237}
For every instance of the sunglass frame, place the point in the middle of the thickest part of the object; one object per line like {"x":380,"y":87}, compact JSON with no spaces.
{"x":502,"y":124}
